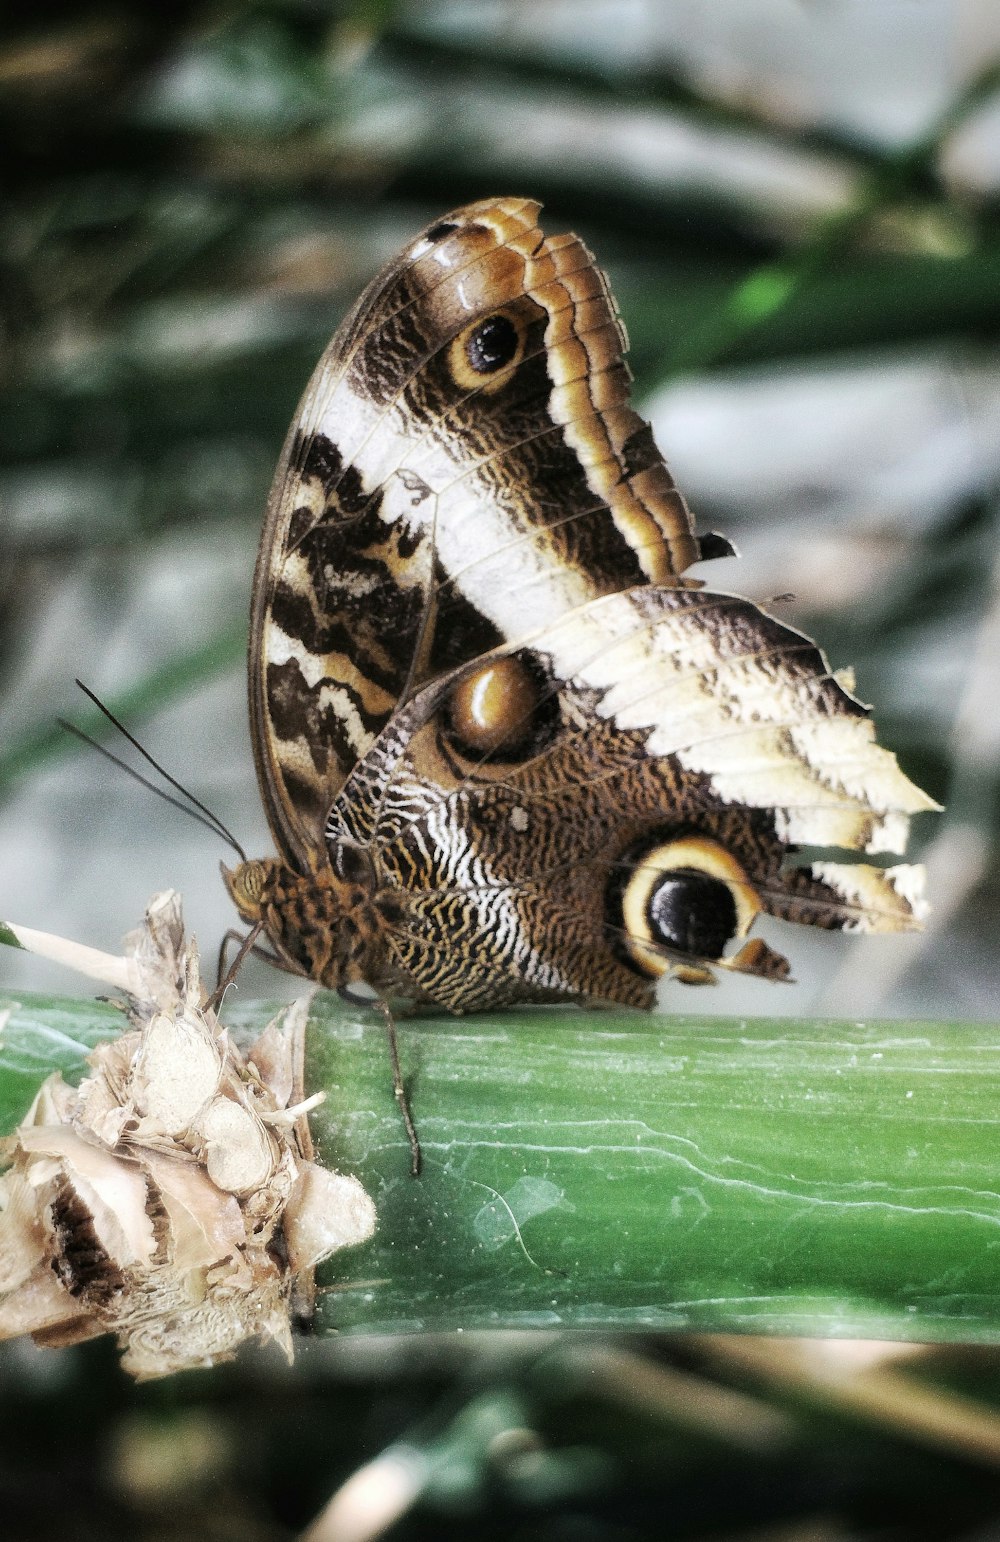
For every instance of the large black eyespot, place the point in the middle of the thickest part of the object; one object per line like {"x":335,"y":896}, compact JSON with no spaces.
{"x":492,"y":344}
{"x":676,"y":899}
{"x":438,"y":232}
{"x":692,"y":913}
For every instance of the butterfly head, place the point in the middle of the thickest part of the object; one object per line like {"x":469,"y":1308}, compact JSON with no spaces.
{"x":320,"y":925}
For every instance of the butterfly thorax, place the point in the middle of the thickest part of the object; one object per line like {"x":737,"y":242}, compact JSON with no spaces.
{"x":320,"y":925}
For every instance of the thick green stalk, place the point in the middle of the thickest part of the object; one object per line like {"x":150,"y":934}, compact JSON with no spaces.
{"x":618,"y":1170}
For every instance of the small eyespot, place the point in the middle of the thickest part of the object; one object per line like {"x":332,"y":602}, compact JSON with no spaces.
{"x":686,"y":898}
{"x":492,"y":344}
{"x":432,"y":238}
{"x":483,"y":356}
{"x":503,"y":710}
{"x":438,"y":232}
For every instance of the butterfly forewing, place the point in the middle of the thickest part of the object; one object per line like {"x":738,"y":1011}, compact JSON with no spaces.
{"x":464,"y":464}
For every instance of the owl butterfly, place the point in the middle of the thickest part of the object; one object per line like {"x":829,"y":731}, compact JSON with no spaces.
{"x":507,"y":751}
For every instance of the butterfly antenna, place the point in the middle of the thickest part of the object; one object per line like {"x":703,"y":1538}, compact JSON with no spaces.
{"x":203,"y":816}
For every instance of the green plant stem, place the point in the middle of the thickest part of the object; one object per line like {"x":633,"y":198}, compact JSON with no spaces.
{"x":609,"y":1170}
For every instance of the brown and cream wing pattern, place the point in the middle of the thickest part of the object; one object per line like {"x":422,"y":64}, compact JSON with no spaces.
{"x":678,"y":748}
{"x":464,"y":466}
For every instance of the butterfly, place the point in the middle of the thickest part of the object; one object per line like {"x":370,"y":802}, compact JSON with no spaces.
{"x":508,"y":750}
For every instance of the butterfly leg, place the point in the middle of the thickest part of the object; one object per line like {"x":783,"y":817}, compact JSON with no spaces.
{"x":247,"y":944}
{"x":399,"y":1091}
{"x":222,"y":969}
{"x":224,"y":977}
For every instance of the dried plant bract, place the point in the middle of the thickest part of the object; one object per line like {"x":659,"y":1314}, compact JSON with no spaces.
{"x":172,"y":1198}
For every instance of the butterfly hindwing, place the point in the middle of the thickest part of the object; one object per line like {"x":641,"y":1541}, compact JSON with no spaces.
{"x":637,"y":809}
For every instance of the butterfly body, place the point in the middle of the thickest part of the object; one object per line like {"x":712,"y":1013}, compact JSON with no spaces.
{"x":509,"y":752}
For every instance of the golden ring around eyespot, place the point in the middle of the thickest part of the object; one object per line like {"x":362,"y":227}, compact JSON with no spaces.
{"x":691,"y":853}
{"x":487,"y":381}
